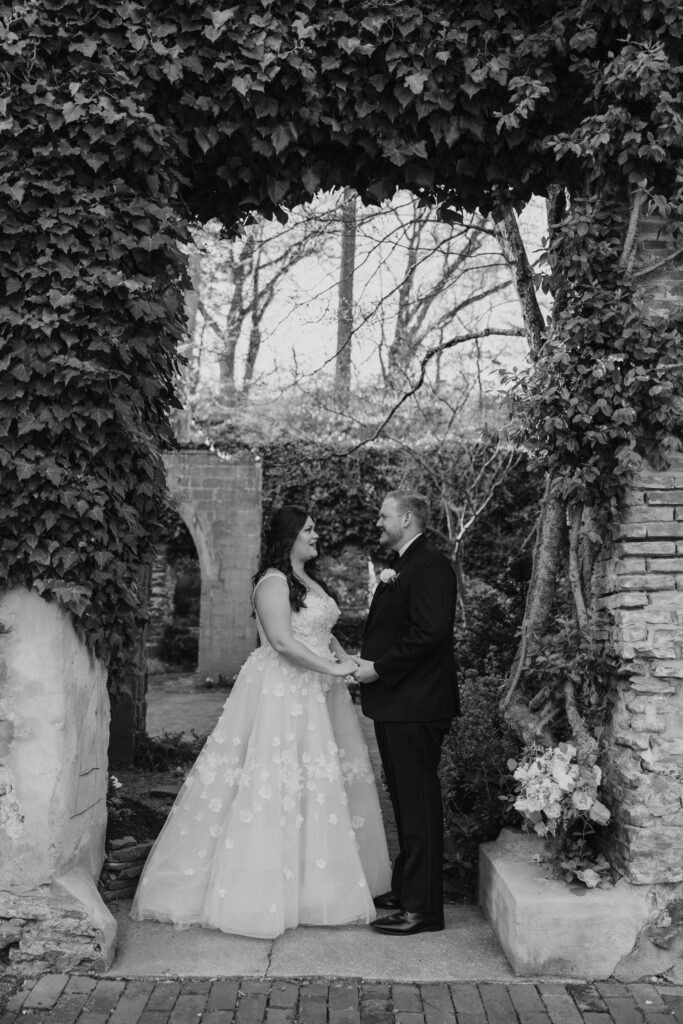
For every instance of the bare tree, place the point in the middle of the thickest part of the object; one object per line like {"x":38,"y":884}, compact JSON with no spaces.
{"x":345,"y":309}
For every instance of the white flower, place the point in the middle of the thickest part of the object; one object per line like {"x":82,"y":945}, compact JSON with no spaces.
{"x":229,"y":844}
{"x":295,"y":710}
{"x":388,"y":576}
{"x":221,"y":893}
{"x":333,"y":819}
{"x":215,"y":805}
{"x":189,"y":871}
{"x":582,"y":801}
{"x":278,"y":690}
{"x":287,"y":803}
{"x":115,"y":782}
{"x":265,"y":792}
{"x":357,"y":821}
{"x":246,"y":816}
{"x":276,"y":741}
{"x":202,"y":854}
{"x":215,"y":831}
{"x":321,"y":863}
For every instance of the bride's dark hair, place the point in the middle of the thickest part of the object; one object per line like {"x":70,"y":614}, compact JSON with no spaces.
{"x":285,"y":525}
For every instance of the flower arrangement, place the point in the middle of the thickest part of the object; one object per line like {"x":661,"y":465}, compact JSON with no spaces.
{"x":557,"y":797}
{"x":388,"y":576}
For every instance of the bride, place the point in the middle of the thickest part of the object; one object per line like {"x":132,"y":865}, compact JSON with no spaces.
{"x":278,"y":822}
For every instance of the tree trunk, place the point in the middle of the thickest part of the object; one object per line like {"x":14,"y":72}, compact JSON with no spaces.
{"x":235,"y":317}
{"x":345,"y":313}
{"x":540,"y":597}
{"x":183,"y":417}
{"x":512,"y":246}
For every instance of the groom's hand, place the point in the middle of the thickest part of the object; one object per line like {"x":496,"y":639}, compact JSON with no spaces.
{"x":365,"y":673}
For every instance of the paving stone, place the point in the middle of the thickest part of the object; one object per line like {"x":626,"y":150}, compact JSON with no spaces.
{"x":130,"y":1006}
{"x":375,"y":990}
{"x":405,"y":1017}
{"x":664,"y":1017}
{"x":105,"y":995}
{"x":437,"y":1004}
{"x":406,"y":999}
{"x":598,"y":1018}
{"x":374,"y":1011}
{"x":217,"y":1017}
{"x":68,"y":1007}
{"x":623,"y":1009}
{"x":80,"y":983}
{"x":15,"y":1002}
{"x":278,"y":1015}
{"x":467,"y":1002}
{"x":313,"y":991}
{"x":154,"y":1017}
{"x":587,"y":998}
{"x":498,"y":1005}
{"x":251,"y":987}
{"x":342,"y":997}
{"x":46,"y":991}
{"x":526,"y":999}
{"x":223,"y":995}
{"x":610,"y":988}
{"x":90,"y":1017}
{"x":197,"y":986}
{"x":646,"y":997}
{"x":251,"y":1008}
{"x":163,"y":996}
{"x":188,"y":1008}
{"x":560,"y":1006}
{"x":674,"y":1002}
{"x":312,"y":1011}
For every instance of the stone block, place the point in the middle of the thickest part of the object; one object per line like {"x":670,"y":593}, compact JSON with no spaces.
{"x":665,"y":497}
{"x":674,"y":565}
{"x":649,"y":684}
{"x":64,"y":926}
{"x":670,"y":531}
{"x":647,"y":547}
{"x":668,"y":669}
{"x":634,"y":599}
{"x":541,"y":924}
{"x":638,"y":514}
{"x":626,"y":566}
{"x":651,"y":855}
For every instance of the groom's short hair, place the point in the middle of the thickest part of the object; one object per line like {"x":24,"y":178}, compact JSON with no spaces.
{"x":410,"y":501}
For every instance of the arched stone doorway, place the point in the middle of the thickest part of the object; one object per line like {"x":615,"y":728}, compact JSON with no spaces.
{"x":220,"y":502}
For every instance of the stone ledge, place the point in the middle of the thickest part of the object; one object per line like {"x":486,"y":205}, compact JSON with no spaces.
{"x":547,"y":927}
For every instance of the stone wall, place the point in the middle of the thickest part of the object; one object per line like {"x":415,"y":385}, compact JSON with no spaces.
{"x":642,"y":587}
{"x":54,"y":730}
{"x":219,"y":500}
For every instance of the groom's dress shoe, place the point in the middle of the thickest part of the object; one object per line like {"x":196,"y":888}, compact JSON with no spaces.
{"x":388,"y":901}
{"x":408,"y":923}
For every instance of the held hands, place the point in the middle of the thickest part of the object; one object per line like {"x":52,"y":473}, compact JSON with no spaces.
{"x":364,"y":670}
{"x":345,"y":667}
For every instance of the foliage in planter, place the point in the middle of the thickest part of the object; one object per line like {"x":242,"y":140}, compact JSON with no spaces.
{"x":179,"y":643}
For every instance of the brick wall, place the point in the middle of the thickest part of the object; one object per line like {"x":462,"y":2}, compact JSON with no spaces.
{"x":220,"y":502}
{"x":641,"y":584}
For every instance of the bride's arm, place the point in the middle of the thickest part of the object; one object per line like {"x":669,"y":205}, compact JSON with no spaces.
{"x":337,"y":650}
{"x":271,"y":599}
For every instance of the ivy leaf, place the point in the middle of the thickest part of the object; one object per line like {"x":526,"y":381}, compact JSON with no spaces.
{"x":416,"y":82}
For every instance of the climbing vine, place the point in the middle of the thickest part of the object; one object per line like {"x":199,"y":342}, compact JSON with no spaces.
{"x":119,"y":122}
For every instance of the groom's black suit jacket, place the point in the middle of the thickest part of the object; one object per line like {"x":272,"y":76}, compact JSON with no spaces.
{"x":409,"y":637}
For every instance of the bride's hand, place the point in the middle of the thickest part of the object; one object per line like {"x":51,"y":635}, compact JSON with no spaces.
{"x":345,"y":667}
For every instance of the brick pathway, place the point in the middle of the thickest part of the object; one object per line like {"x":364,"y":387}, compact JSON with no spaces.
{"x":60,"y":999}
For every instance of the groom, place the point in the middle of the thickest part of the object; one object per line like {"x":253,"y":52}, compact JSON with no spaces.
{"x":407,"y":667}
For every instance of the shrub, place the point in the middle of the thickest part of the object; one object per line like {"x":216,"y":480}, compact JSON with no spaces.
{"x":179,"y":643}
{"x":474,"y":773}
{"x":168,"y":751}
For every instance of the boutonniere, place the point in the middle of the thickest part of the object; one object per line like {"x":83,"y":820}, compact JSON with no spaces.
{"x":388,"y":577}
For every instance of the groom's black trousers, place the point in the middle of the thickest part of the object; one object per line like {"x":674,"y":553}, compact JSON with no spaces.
{"x":410,"y":753}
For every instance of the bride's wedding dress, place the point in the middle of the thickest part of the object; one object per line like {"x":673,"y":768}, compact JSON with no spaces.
{"x":278,"y":822}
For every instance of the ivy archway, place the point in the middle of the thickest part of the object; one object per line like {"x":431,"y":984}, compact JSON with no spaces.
{"x":121,"y":123}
